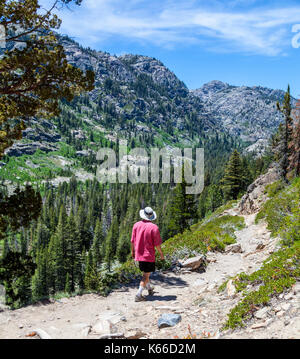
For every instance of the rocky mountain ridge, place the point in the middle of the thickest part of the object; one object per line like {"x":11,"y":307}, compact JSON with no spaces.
{"x":136,"y":94}
{"x":247,"y":112}
{"x":139,"y":99}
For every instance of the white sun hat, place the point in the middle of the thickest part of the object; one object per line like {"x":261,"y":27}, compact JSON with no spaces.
{"x":148,"y":214}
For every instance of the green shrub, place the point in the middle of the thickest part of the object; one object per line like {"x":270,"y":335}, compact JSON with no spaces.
{"x":213,"y":233}
{"x":278,"y":273}
{"x":273,"y":188}
{"x":281,"y":270}
{"x":282,"y":213}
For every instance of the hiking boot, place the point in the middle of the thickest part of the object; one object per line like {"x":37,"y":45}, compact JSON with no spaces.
{"x":139,"y":298}
{"x":151,"y":291}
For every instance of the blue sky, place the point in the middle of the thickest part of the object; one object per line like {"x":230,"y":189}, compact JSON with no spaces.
{"x":242,"y":42}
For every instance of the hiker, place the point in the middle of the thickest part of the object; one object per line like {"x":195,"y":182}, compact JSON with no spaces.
{"x":145,"y":237}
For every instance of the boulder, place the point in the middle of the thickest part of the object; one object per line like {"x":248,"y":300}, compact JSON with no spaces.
{"x":230,"y":288}
{"x":260,"y":245}
{"x":104,"y":327}
{"x":168,"y":320}
{"x":262,"y":313}
{"x":193,"y":263}
{"x":42,"y":333}
{"x":234,"y":248}
{"x":255,"y":196}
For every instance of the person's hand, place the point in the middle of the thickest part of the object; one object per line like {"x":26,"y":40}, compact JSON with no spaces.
{"x":162,"y":257}
{"x":132,"y":255}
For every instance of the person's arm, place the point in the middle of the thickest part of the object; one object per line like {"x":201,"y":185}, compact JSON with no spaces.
{"x":160,"y":252}
{"x":132,"y":242}
{"x":132,"y":250}
{"x":158,"y":242}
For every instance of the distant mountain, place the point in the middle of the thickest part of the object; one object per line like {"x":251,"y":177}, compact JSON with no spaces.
{"x":141,"y":92}
{"x":157,"y":97}
{"x":139,"y":99}
{"x":247,"y":112}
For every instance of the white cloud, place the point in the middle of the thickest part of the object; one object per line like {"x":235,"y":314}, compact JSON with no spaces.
{"x":167,"y":23}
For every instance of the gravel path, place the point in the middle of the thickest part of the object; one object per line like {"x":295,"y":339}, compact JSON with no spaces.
{"x":192,"y":295}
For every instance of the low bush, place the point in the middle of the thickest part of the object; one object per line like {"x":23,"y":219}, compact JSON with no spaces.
{"x":278,"y":273}
{"x":281,"y":270}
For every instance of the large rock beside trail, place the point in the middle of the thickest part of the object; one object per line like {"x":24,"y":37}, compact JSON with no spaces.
{"x":42,"y":333}
{"x":234,"y":248}
{"x":104,"y":327}
{"x":251,"y":202}
{"x":230,"y":288}
{"x":168,"y":320}
{"x":262,"y":313}
{"x":193,"y":263}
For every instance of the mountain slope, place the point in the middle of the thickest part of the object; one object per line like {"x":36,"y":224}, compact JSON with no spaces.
{"x":138,"y":99}
{"x":248,"y":112}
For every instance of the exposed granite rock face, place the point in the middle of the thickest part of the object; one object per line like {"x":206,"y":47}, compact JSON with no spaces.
{"x":36,"y":134}
{"x":158,"y":72}
{"x":19,"y":149}
{"x":248,"y":112}
{"x":142,"y":96}
{"x":251,"y":202}
{"x":258,"y":148}
{"x":138,"y":88}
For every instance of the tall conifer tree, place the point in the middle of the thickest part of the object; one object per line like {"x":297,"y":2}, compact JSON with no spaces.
{"x":233,"y":180}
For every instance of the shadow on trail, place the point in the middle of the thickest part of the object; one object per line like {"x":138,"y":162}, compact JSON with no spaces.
{"x":157,"y":279}
{"x":165,"y":281}
{"x":165,"y":298}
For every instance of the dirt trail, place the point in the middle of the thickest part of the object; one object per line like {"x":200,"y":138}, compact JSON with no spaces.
{"x":193,"y":295}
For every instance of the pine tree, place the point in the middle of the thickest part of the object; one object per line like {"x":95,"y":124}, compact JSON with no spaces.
{"x":72,"y":253}
{"x":214,"y":198}
{"x":58,"y":253}
{"x":90,"y":276}
{"x":68,"y":286}
{"x":233,"y":180}
{"x":16,"y":267}
{"x":123,"y":247}
{"x":40,"y":278}
{"x":44,"y":66}
{"x":109,"y":249}
{"x":294,"y":145}
{"x":97,"y":243}
{"x":182,"y":209}
{"x":285,"y":134}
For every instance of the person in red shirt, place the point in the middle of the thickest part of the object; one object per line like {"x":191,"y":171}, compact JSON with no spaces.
{"x":145,"y":238}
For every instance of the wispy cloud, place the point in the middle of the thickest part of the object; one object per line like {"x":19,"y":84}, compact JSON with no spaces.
{"x":247,"y":29}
